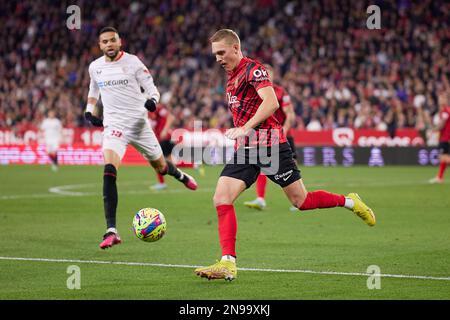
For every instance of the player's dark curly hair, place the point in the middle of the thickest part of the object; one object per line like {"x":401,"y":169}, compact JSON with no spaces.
{"x":108,"y":29}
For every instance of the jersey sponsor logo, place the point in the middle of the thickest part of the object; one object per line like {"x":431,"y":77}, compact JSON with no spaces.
{"x":260,"y":75}
{"x":285,"y":176}
{"x":112,"y":83}
{"x":233,"y":101}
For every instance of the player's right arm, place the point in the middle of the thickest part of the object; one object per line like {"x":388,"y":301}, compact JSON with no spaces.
{"x":93,"y":95}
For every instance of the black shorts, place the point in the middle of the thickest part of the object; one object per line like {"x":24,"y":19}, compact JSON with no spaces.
{"x":167,"y":147}
{"x":292,"y":144}
{"x":281,"y":168}
{"x":444,"y":148}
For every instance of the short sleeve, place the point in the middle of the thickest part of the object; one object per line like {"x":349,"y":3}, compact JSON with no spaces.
{"x":258,"y":77}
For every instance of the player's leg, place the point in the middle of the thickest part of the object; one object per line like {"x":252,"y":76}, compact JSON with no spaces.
{"x":147,"y":144}
{"x":164,"y":167}
{"x":114,"y":147}
{"x":166,"y":147}
{"x":52,"y":151}
{"x":233,"y":181}
{"x":444,"y":160}
{"x":288,"y":177}
{"x":110,"y":198}
{"x":321,"y":199}
{"x":259,"y":203}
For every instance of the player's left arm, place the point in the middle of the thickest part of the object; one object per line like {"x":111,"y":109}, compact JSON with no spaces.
{"x":145,"y":80}
{"x":267,"y":107}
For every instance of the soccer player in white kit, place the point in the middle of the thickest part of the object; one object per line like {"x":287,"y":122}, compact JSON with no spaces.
{"x":117,"y":77}
{"x":51,"y":128}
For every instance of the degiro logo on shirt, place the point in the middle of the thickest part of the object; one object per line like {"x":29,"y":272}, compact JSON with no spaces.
{"x":110,"y":83}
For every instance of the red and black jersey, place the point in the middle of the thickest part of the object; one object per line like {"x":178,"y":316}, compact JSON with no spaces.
{"x":159,"y":119}
{"x":243,"y":100}
{"x":444,"y":133}
{"x":284,"y":100}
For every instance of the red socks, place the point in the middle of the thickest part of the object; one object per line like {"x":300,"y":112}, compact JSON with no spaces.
{"x":261,"y":183}
{"x":227,"y":228}
{"x":322,"y":199}
{"x":160,"y":178}
{"x":442,"y":167}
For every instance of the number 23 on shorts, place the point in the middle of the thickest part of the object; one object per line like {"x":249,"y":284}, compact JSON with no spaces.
{"x":115,"y":133}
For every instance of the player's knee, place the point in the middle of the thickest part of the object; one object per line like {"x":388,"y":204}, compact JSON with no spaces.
{"x":297,"y":200}
{"x":221,"y":199}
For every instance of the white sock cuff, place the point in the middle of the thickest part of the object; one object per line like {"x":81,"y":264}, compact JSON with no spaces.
{"x":114,"y":230}
{"x":349,"y":203}
{"x":228,"y":258}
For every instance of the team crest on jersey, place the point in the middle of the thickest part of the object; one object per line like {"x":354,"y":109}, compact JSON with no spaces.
{"x":99,"y":71}
{"x":125,"y":69}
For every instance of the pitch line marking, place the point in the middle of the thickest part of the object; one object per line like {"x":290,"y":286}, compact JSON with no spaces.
{"x":164,"y":265}
{"x":66,"y":190}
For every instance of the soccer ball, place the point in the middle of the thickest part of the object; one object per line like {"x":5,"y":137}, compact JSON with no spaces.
{"x":149,"y":224}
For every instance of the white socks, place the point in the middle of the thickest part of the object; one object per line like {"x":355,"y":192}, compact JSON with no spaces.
{"x":349,"y":203}
{"x":114,"y":230}
{"x":228,"y":258}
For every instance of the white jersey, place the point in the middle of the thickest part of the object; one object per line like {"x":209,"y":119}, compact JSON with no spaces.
{"x":52,"y":129}
{"x":119,"y":85}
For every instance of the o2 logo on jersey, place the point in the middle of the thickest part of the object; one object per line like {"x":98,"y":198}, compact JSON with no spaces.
{"x":233,"y":101}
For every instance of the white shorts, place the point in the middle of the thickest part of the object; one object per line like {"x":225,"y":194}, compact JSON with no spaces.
{"x":142,"y":138}
{"x":51,"y":146}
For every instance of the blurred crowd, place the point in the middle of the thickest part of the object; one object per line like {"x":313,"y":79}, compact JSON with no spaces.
{"x":337,"y":71}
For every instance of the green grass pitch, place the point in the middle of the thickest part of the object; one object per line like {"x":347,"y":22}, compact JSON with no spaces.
{"x":412,"y":237}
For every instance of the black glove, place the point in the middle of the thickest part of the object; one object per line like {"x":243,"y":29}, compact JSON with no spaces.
{"x":96,"y":122}
{"x":150,"y":105}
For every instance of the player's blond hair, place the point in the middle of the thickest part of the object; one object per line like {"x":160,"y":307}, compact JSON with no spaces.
{"x":229,"y":35}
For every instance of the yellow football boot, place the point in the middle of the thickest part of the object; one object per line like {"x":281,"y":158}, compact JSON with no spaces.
{"x":220,"y":270}
{"x":362,"y":210}
{"x":258,"y":204}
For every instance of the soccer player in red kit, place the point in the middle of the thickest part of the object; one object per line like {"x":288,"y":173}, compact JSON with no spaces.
{"x":163,"y":119}
{"x":444,"y":137}
{"x":252,"y":101}
{"x":286,"y":116}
